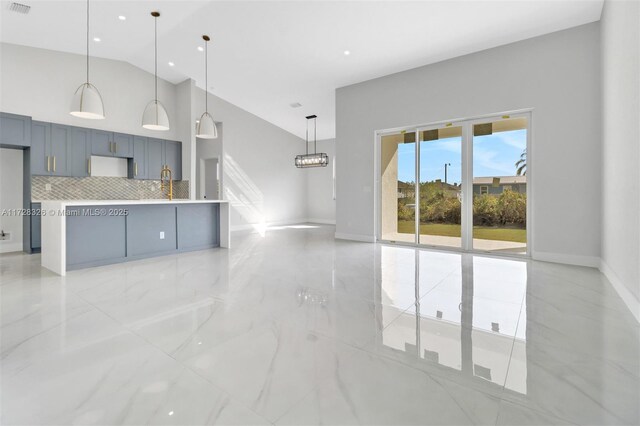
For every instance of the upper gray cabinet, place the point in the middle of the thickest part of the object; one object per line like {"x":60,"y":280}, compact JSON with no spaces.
{"x":161,"y":153}
{"x":138,"y":166}
{"x":15,"y":131}
{"x":49,"y":149}
{"x":79,"y":149}
{"x":59,"y":150}
{"x":40,"y":148}
{"x":110,"y":144}
{"x":173,"y":158}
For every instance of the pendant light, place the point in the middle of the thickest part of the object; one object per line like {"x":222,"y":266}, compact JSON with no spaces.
{"x":155,"y":116}
{"x":316,"y":159}
{"x":206,"y":127}
{"x":87,"y":102}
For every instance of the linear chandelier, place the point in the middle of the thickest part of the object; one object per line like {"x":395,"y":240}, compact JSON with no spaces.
{"x":317,"y":159}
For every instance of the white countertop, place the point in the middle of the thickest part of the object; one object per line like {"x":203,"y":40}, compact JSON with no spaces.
{"x":64,"y":203}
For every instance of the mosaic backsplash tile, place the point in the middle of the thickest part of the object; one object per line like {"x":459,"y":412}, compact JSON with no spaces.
{"x":102,"y":188}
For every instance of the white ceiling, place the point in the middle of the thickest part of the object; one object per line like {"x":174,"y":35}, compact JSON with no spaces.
{"x":266,"y":55}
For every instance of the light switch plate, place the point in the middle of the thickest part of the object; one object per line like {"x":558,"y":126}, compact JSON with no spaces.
{"x":162,"y":235}
{"x":47,"y":187}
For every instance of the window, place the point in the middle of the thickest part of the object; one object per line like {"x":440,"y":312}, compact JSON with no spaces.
{"x":484,"y":190}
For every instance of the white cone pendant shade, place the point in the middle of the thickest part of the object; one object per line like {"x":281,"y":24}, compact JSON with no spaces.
{"x":206,"y":127}
{"x":87,"y":103}
{"x":155,"y":116}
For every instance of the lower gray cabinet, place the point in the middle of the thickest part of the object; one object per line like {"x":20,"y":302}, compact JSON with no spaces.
{"x":36,"y":227}
{"x":151,"y":230}
{"x":94,"y":239}
{"x":198,"y":226}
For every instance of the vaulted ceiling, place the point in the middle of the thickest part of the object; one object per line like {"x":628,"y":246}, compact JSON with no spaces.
{"x":267,"y":55}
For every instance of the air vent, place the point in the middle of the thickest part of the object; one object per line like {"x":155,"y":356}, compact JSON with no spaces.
{"x":19,"y":8}
{"x":295,"y":105}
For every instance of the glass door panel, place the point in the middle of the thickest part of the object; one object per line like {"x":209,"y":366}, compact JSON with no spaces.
{"x":440,"y":188}
{"x":398,"y":187}
{"x":500,"y":185}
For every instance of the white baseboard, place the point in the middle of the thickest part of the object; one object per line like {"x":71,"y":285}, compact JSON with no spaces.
{"x":355,"y":237}
{"x":10,"y":247}
{"x":627,"y":297}
{"x":567,"y":259}
{"x":257,"y":226}
{"x":322,"y":221}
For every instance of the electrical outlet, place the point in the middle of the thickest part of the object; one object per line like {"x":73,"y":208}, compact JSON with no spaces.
{"x":5,"y":236}
{"x":47,"y":187}
{"x":162,"y":235}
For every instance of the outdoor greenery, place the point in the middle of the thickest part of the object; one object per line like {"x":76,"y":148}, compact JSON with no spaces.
{"x":517,"y":235}
{"x":441,"y":205}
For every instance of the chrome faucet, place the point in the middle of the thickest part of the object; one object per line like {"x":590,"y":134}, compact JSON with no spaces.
{"x":166,"y":173}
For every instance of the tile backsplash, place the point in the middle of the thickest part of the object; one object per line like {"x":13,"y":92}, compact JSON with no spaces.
{"x":102,"y":188}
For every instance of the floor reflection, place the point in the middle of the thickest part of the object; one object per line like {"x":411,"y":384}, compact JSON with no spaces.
{"x":464,"y":314}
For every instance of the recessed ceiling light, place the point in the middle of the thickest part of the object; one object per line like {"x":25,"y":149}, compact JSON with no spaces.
{"x":96,"y":39}
{"x":122,"y":18}
{"x":201,"y":49}
{"x":171,"y":413}
{"x":295,"y":105}
{"x":347,"y":53}
{"x":171,"y":64}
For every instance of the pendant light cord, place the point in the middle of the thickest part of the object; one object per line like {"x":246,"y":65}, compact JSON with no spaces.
{"x":87,"y":41}
{"x":306,"y":145}
{"x":155,"y":24}
{"x":315,"y":139}
{"x":206,"y":76}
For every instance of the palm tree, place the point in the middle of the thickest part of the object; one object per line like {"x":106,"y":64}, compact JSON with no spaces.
{"x":521,"y":164}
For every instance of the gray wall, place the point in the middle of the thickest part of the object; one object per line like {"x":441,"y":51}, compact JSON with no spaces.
{"x":557,"y":74}
{"x":621,"y":141}
{"x":321,"y":207}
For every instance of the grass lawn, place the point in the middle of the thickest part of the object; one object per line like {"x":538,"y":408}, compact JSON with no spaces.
{"x":481,"y":232}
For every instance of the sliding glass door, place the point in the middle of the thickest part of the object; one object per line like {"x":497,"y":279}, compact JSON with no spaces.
{"x":440,"y":189}
{"x":500,"y":185}
{"x":460,"y":185}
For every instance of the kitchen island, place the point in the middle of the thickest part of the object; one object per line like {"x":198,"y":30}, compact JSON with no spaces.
{"x":86,"y":233}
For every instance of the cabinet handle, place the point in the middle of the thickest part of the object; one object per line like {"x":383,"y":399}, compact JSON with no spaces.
{"x":89,"y":165}
{"x":54,"y":163}
{"x":136,"y":169}
{"x":48,"y":164}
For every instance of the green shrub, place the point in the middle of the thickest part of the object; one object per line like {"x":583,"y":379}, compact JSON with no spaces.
{"x":485,"y":210}
{"x":512,"y":208}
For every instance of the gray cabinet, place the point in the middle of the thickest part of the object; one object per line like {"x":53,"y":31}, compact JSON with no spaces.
{"x":79,"y":150}
{"x":138,"y":166}
{"x":48,"y":154}
{"x":40,"y":148}
{"x":173,"y":158}
{"x":110,"y":144}
{"x":155,"y":157}
{"x":15,"y":131}
{"x":36,"y":222}
{"x":151,"y":230}
{"x":161,"y":153}
{"x":59,"y":142}
{"x":122,"y":145}
{"x":59,"y":150}
{"x":94,"y":240}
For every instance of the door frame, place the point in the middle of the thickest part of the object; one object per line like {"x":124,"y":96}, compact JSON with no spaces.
{"x":467,"y":179}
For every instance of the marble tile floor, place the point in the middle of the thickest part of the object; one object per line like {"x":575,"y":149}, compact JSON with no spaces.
{"x":293,"y":327}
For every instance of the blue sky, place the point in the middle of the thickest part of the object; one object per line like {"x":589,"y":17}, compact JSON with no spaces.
{"x":493,"y":155}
